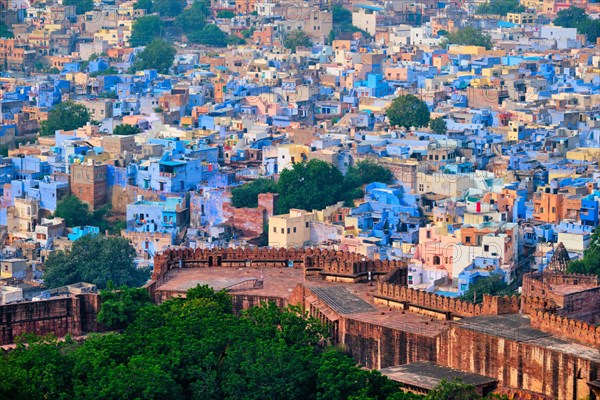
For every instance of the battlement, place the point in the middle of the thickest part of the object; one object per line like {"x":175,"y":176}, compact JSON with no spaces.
{"x":393,"y":294}
{"x":557,"y":278}
{"x":579,"y":331}
{"x":332,"y":265}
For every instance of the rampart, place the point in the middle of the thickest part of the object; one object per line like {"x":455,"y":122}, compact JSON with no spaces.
{"x":564,"y":327}
{"x":74,"y":315}
{"x":398,"y":295}
{"x":332,"y":265}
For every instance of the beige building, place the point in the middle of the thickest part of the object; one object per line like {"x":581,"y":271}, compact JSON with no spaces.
{"x":365,"y":18}
{"x":13,"y":268}
{"x":290,"y":230}
{"x":117,"y":144}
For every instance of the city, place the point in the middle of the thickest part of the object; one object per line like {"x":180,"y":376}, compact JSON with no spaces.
{"x":272,"y":199}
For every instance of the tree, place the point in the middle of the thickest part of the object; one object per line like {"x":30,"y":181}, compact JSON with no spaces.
{"x":493,"y":284}
{"x":590,"y":263}
{"x":438,"y":125}
{"x":97,"y":260}
{"x":126,"y":129}
{"x":296,"y":39}
{"x":467,"y":36}
{"x":120,"y":307}
{"x":5,"y":31}
{"x":340,"y":14}
{"x":143,"y":5}
{"x":365,"y":172}
{"x":81,"y":6}
{"x":210,"y":35}
{"x":575,"y":17}
{"x":65,"y":116}
{"x":168,"y":8}
{"x":225,"y":14}
{"x":408,"y":111}
{"x":73,"y":211}
{"x":193,"y":19}
{"x":247,"y":195}
{"x":500,"y":7}
{"x":158,"y":55}
{"x":307,"y":186}
{"x":570,"y":17}
{"x":145,"y":30}
{"x":453,"y":390}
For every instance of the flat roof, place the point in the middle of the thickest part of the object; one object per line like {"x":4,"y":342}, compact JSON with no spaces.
{"x":517,"y":327}
{"x":341,"y":299}
{"x":428,"y":375}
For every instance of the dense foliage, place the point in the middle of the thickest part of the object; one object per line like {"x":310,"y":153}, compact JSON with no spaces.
{"x":145,"y":30}
{"x":143,"y":5}
{"x":158,"y":55}
{"x":313,"y":185}
{"x":296,"y":39}
{"x":493,"y":284}
{"x":168,"y":8}
{"x":467,"y":36}
{"x":5,"y":31}
{"x":342,"y":23}
{"x":408,"y":111}
{"x":307,"y":186}
{"x":95,"y":259}
{"x":65,"y":116}
{"x":194,"y":348}
{"x":575,"y":17}
{"x":77,"y":213}
{"x":210,"y":35}
{"x":590,"y":263}
{"x":126,"y":129}
{"x":81,"y":6}
{"x":119,"y":307}
{"x":247,"y":195}
{"x":438,"y":125}
{"x":500,"y":7}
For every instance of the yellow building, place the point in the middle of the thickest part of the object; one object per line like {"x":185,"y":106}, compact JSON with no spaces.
{"x":584,"y":154}
{"x":520,"y":18}
{"x":290,"y":230}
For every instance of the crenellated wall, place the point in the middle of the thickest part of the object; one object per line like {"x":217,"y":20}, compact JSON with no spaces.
{"x":399,"y":295}
{"x":325,"y":262}
{"x":564,"y":327}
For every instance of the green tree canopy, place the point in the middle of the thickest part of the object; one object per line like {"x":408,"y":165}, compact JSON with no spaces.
{"x":97,"y":260}
{"x":307,"y":186}
{"x":5,"y":31}
{"x":143,"y":5}
{"x":247,"y":195}
{"x":467,"y":36}
{"x":500,"y":7}
{"x":340,"y":14}
{"x":126,"y":129}
{"x":119,"y":307}
{"x":193,"y":19}
{"x":575,"y":17}
{"x":408,"y":111}
{"x":81,"y":6}
{"x":296,"y":39}
{"x":158,"y":55}
{"x":193,"y":348}
{"x":453,"y":390}
{"x":145,"y":30}
{"x":438,"y":125}
{"x":365,"y":172}
{"x":210,"y":35}
{"x":590,"y":263}
{"x":225,"y":14}
{"x":65,"y":116}
{"x":570,"y":17}
{"x":168,"y":8}
{"x":73,"y":211}
{"x":493,"y":284}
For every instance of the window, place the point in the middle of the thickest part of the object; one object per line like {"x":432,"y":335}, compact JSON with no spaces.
{"x":282,"y":230}
{"x":288,"y":231}
{"x":294,"y":229}
{"x":468,"y":239}
{"x":428,"y":234}
{"x":486,"y":247}
{"x":274,"y":230}
{"x":307,"y":224}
